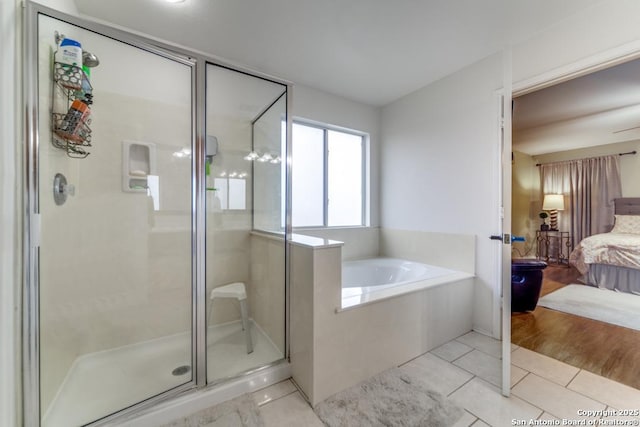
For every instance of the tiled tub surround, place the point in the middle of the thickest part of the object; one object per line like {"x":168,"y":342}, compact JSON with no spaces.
{"x":453,"y":251}
{"x":333,"y":349}
{"x":267,"y":290}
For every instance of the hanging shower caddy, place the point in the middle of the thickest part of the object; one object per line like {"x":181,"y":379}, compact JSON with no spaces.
{"x":70,"y":113}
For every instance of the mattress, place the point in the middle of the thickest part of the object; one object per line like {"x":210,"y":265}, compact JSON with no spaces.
{"x":618,"y":249}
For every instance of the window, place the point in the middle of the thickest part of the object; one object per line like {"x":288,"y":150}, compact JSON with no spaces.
{"x":328,"y":170}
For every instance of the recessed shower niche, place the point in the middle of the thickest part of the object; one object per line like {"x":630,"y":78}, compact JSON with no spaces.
{"x":138,"y":166}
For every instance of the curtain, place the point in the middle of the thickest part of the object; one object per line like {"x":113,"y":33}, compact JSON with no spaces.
{"x":589,"y":187}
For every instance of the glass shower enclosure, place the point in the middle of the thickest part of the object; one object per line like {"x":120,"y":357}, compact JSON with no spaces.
{"x":155,"y":250}
{"x":245,"y":255}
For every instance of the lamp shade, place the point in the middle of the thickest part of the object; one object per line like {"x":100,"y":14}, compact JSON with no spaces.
{"x":553,"y":202}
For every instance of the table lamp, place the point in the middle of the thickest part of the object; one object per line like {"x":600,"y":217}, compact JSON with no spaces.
{"x":553,"y":203}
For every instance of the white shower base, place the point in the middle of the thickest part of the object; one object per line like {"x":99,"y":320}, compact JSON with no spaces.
{"x":227,"y":351}
{"x":101,"y":383}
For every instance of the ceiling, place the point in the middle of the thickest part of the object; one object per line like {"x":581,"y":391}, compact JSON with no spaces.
{"x":370,"y":51}
{"x":597,"y":109}
{"x":377,"y":51}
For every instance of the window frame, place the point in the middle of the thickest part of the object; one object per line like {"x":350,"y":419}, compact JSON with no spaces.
{"x":325,"y":172}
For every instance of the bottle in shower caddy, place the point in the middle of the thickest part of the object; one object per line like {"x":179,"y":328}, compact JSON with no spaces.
{"x":73,"y":123}
{"x":70,"y":53}
{"x":68,"y":67}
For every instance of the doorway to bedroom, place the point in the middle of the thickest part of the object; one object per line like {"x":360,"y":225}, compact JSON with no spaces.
{"x":576,"y":142}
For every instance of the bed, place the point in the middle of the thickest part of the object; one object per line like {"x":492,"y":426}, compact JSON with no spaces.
{"x":612,"y":260}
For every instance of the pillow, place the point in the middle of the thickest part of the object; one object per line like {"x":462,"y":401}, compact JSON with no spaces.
{"x":627,"y":224}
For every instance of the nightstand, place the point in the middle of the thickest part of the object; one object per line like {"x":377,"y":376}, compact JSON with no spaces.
{"x":553,"y":246}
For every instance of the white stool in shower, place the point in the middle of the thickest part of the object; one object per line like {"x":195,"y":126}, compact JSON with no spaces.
{"x":235,"y":290}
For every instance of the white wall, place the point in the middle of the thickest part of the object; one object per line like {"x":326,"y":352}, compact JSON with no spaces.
{"x":324,"y":107}
{"x":439,"y":167}
{"x":606,"y":29}
{"x":10,"y":203}
{"x":525,"y":204}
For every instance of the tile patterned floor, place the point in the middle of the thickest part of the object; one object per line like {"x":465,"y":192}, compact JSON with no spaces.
{"x":467,"y":370}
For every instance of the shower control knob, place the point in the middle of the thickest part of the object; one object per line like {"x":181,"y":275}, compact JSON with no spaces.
{"x":61,"y":189}
{"x":69,"y":190}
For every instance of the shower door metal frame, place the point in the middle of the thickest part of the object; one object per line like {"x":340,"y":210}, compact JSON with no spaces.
{"x":31,"y":356}
{"x":31,"y":228}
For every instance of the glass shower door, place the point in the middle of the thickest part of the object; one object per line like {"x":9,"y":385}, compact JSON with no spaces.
{"x":114,"y":172}
{"x":245,"y":245}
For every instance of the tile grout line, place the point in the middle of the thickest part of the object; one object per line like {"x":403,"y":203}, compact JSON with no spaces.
{"x":480,"y":350}
{"x":542,"y":411}
{"x":466,"y":410}
{"x":590,"y":397}
{"x":462,"y":385}
{"x":511,"y":394}
{"x":520,"y":380}
{"x":586,"y":396}
{"x":472,"y":373}
{"x":449,"y":361}
{"x":566,"y":388}
{"x":566,"y":365}
{"x":462,"y":355}
{"x":573,"y":378}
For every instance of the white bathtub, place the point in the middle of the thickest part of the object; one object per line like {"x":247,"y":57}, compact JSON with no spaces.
{"x":373,"y":279}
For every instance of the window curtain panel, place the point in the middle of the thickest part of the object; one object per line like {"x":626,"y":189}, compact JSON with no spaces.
{"x":589,"y":187}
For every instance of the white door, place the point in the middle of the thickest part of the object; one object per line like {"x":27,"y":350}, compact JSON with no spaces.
{"x":504,"y":256}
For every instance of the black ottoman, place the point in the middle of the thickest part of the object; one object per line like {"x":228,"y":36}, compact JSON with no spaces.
{"x":526,"y":282}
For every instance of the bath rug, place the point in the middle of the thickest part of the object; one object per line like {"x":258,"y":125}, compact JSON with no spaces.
{"x":392,"y":399}
{"x":239,"y":412}
{"x":605,"y":305}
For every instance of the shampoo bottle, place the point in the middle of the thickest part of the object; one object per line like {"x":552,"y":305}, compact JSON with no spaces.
{"x":70,"y":53}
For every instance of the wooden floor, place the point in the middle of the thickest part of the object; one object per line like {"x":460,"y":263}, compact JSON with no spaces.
{"x":604,"y":349}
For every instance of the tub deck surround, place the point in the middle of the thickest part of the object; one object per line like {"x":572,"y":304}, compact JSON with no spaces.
{"x":299,"y":239}
{"x":359,"y":242}
{"x":314,"y":242}
{"x":331,"y":350}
